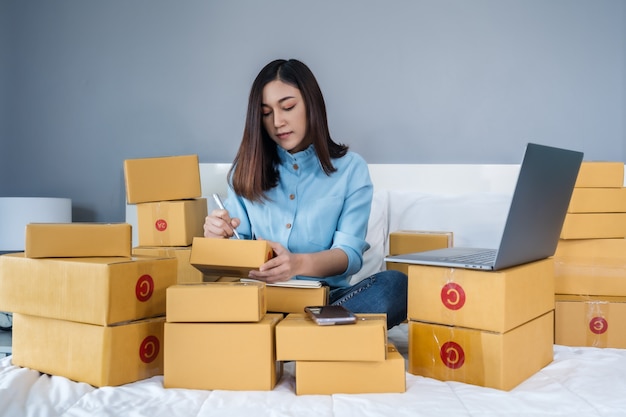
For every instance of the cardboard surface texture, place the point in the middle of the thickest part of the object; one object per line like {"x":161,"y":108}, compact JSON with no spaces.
{"x":171,"y":223}
{"x":293,"y":300}
{"x":97,"y":355}
{"x":66,"y":240}
{"x":591,"y":248}
{"x":162,"y":179}
{"x":600,"y":174}
{"x":186,"y":273}
{"x":590,"y":276}
{"x":410,"y":241}
{"x":598,"y":200}
{"x":594,"y":226}
{"x":229,"y":257}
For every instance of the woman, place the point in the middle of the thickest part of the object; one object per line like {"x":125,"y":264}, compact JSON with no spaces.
{"x":310,"y":197}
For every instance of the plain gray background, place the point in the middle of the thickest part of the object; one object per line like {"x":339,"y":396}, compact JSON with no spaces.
{"x":85,"y":84}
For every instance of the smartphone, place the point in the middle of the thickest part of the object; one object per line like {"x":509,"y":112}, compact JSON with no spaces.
{"x":329,"y":315}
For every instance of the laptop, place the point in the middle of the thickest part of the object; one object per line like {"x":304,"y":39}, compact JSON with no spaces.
{"x":544,"y":187}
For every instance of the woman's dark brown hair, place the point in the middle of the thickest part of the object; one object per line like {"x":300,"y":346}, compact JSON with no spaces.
{"x":254,"y":169}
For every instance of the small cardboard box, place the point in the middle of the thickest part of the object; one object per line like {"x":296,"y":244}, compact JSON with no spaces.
{"x":589,"y":276}
{"x":97,"y":355}
{"x":478,"y":357}
{"x":590,"y":321}
{"x":594,"y":226}
{"x":600,"y":174}
{"x":186,"y":273}
{"x":67,"y":240}
{"x":410,"y":241}
{"x":598,"y":200}
{"x":487,"y":300}
{"x":171,"y":223}
{"x":229,"y":257}
{"x":293,"y":300}
{"x":591,"y":248}
{"x":350,"y":377}
{"x":299,"y":338}
{"x":222,"y":356}
{"x":216,"y":302}
{"x":162,"y":179}
{"x":99,"y":291}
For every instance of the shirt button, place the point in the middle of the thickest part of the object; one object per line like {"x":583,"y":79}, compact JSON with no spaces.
{"x":292,"y":196}
{"x":288,"y":225}
{"x":295,"y":166}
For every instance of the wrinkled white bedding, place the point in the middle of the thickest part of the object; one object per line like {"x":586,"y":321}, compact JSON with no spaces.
{"x":579,"y":382}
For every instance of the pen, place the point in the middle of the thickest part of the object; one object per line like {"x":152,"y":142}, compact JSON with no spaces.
{"x":219,"y":203}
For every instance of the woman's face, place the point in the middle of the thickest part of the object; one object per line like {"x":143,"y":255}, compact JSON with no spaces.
{"x":284,"y":116}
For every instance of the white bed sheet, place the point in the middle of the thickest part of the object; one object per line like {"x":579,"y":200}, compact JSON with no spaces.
{"x":581,"y":381}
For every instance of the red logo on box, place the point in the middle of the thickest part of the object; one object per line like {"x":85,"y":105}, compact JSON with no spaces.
{"x":453,"y":296}
{"x":144,"y":288}
{"x":598,"y":325}
{"x":160,"y":225}
{"x":452,"y":355}
{"x":149,"y":349}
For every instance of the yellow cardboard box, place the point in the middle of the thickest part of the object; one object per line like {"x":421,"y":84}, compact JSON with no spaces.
{"x":489,"y":300}
{"x":598,"y":200}
{"x":96,"y":355}
{"x":229,"y":257}
{"x":224,"y":356}
{"x":216,"y":302}
{"x":600,"y":174}
{"x":293,"y":300}
{"x":299,"y":338}
{"x":594,"y":226}
{"x":186,"y":273}
{"x":590,"y":321}
{"x":171,"y":223}
{"x":410,"y":241}
{"x":350,"y":377}
{"x":99,"y":291}
{"x":478,"y":357}
{"x":162,"y":179}
{"x":589,"y":276}
{"x":67,"y":240}
{"x":591,"y":248}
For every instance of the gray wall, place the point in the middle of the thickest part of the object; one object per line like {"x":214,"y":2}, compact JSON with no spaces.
{"x":91,"y":83}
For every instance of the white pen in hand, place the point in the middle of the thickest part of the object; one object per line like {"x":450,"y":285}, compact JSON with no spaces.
{"x":219,"y":203}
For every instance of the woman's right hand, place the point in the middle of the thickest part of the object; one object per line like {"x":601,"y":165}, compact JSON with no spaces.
{"x":218,"y":224}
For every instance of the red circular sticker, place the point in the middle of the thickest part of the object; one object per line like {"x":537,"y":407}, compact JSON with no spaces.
{"x":452,"y":355}
{"x":452,"y":296}
{"x":144,"y":288}
{"x":598,"y":325}
{"x":149,"y":349}
{"x":160,"y":225}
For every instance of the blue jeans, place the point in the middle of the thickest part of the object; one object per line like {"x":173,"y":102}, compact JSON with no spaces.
{"x":383,"y":292}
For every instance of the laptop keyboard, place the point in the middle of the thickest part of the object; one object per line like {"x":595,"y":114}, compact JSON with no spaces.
{"x":478,"y":258}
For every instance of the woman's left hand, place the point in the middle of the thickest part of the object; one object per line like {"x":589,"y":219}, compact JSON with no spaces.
{"x":282,"y":267}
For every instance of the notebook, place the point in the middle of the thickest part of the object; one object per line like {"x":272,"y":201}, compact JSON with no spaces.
{"x":531,"y":232}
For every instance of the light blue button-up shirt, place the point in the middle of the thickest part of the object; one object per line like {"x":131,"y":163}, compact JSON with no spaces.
{"x":309,"y":211}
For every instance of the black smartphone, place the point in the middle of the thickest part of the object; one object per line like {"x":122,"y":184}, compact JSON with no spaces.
{"x":329,"y":315}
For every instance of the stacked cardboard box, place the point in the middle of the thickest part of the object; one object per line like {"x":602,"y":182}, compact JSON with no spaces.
{"x":219,"y":336}
{"x":349,"y":359}
{"x":479,"y":327}
{"x":170,"y":211}
{"x":590,"y":260}
{"x":409,"y":241}
{"x":80,"y":312}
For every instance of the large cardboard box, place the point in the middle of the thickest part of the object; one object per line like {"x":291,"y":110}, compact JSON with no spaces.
{"x":229,"y":257}
{"x":216,"y":302}
{"x":171,"y":223}
{"x":594,"y":226}
{"x":350,"y":377}
{"x":99,"y":291}
{"x":598,"y":200}
{"x":162,"y":179}
{"x":590,"y":321}
{"x":479,"y":357}
{"x":591,"y":248}
{"x":410,"y":241}
{"x":299,"y":338}
{"x":590,"y":276}
{"x":67,"y":240}
{"x":293,"y":300}
{"x":96,"y":355}
{"x":186,"y":273}
{"x":489,"y":300}
{"x":600,"y":174}
{"x":222,"y":356}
